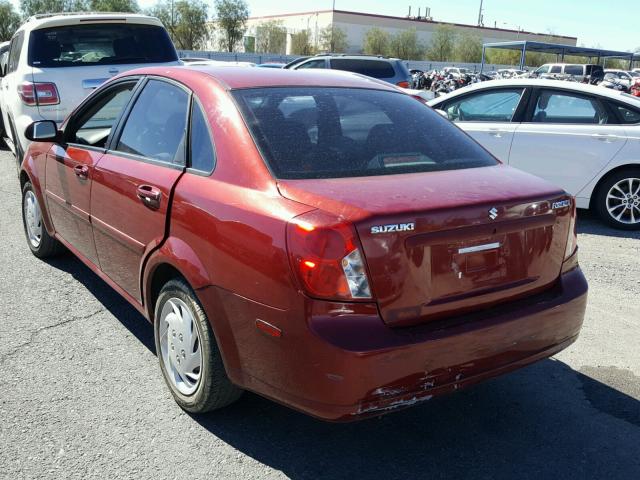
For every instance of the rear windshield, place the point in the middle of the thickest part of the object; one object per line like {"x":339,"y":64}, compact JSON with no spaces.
{"x":99,"y":44}
{"x":341,"y":132}
{"x":370,"y":68}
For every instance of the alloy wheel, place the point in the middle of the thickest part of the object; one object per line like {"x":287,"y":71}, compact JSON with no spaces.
{"x":623,"y":201}
{"x":33,"y":218}
{"x":180,"y":346}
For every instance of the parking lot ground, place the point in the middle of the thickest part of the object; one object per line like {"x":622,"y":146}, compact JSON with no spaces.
{"x":81,"y":395}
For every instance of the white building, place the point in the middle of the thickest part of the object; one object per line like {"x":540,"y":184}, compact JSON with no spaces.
{"x":356,"y":24}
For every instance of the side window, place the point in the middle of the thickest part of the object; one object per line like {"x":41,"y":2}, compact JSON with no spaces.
{"x":95,"y":123}
{"x":312,"y":64}
{"x":574,"y":70}
{"x":14,"y":52}
{"x":565,"y":107}
{"x":202,"y":155}
{"x":491,"y":106}
{"x":370,"y":68}
{"x":627,"y":115}
{"x":555,"y":69}
{"x":157,"y":123}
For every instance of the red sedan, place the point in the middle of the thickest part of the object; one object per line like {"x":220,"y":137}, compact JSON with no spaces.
{"x":316,"y":237}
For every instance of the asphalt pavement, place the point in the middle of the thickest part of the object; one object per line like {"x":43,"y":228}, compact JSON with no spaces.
{"x":81,"y":395}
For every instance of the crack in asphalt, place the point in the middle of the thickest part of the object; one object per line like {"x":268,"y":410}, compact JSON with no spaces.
{"x":35,"y":333}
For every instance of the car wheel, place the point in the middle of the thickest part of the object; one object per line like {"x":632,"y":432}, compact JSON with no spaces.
{"x":189,"y":357}
{"x":618,"y":200}
{"x":42,"y":245}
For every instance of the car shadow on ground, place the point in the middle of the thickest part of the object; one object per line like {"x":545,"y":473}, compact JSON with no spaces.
{"x":545,"y":421}
{"x":589,"y":223}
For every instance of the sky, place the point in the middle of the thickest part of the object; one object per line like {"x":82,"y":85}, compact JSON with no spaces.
{"x":597,"y":23}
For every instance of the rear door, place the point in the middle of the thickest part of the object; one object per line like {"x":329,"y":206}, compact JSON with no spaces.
{"x":134,"y":180}
{"x":568,"y":139}
{"x":488,"y":116}
{"x":70,"y":166}
{"x":80,"y":57}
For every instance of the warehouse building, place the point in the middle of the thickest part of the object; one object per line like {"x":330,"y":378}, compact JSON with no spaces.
{"x":356,"y":24}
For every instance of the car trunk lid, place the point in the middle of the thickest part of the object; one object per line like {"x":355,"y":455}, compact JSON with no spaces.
{"x":443,"y":243}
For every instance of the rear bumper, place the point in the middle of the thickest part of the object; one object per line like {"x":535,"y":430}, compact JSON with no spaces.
{"x":345,"y":363}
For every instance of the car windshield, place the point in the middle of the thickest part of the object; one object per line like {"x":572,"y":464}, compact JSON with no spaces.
{"x":101,"y":44}
{"x":342,"y":132}
{"x":634,"y":74}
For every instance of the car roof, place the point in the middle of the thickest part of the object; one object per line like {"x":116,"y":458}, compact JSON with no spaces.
{"x":61,"y":19}
{"x":244,"y":77}
{"x":536,"y":82}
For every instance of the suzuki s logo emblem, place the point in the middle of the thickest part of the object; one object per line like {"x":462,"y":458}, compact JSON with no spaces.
{"x":493,"y":213}
{"x":396,"y":227}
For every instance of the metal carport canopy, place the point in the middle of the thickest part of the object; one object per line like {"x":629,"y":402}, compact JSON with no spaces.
{"x":525,"y":46}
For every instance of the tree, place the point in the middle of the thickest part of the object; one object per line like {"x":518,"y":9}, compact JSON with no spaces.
{"x":186,"y":22}
{"x":333,"y":39}
{"x":301,"y":43}
{"x":32,"y":7}
{"x":9,"y":21}
{"x":405,"y":45}
{"x":376,"y":41}
{"x":232,"y":21}
{"x":114,"y":6}
{"x":271,"y":37}
{"x":442,"y":43}
{"x":468,"y":48}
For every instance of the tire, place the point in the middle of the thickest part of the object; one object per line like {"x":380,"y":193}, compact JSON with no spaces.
{"x":41,"y":244}
{"x":178,"y":357}
{"x":618,"y":200}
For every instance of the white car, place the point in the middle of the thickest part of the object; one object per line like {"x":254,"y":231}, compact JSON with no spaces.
{"x":55,"y":60}
{"x":622,"y":76}
{"x":584,"y":138}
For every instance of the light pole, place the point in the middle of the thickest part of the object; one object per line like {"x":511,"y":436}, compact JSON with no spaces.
{"x":480,"y":14}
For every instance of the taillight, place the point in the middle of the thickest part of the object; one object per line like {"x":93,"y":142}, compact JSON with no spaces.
{"x":326,"y":257}
{"x":572,"y":239}
{"x":403,"y":84}
{"x":33,"y":94}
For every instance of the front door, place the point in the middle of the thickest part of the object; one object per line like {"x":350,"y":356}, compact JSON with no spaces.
{"x":134,"y":180}
{"x":487,"y":116}
{"x":70,"y":167}
{"x":568,"y":140}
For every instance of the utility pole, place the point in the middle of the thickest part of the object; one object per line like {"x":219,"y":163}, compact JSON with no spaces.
{"x":480,"y":15}
{"x":332,"y":47}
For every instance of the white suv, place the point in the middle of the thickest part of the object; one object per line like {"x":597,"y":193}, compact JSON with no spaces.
{"x":56,"y":60}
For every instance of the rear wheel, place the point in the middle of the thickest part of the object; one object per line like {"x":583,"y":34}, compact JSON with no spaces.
{"x":189,"y":356}
{"x":42,"y":245}
{"x":618,"y":200}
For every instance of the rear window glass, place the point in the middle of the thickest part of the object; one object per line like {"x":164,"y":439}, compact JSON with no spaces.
{"x":99,"y":44}
{"x":370,"y":68}
{"x":342,"y":132}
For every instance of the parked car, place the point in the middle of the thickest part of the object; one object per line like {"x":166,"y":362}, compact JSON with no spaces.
{"x":55,"y":60}
{"x":4,"y":57}
{"x":321,"y":239}
{"x":585,"y":73}
{"x":581,"y":137}
{"x":621,"y":76}
{"x":390,"y":70}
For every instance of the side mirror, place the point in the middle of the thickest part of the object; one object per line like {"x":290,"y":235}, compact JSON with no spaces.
{"x":443,"y":113}
{"x":43,"y":131}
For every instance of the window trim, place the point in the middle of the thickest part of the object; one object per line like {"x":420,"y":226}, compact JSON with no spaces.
{"x":535,"y":94}
{"x":518,"y":114}
{"x":117,"y":132}
{"x":195,"y":100}
{"x":89,"y":101}
{"x":18,"y":37}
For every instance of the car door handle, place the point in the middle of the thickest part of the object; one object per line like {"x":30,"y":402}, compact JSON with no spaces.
{"x":81,"y":171}
{"x":604,"y":137}
{"x":149,"y":195}
{"x":494,"y":132}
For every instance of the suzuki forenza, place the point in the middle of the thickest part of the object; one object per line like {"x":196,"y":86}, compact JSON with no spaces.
{"x":319,"y":238}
